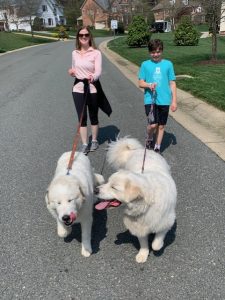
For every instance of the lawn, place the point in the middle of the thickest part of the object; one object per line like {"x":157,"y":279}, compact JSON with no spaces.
{"x":208,"y":80}
{"x":11,"y":41}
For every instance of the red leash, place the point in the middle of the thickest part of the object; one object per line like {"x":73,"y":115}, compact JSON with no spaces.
{"x":76,"y":139}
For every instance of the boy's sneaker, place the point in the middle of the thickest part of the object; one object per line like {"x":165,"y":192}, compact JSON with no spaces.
{"x":84,"y":149}
{"x":94,"y":146}
{"x":149,"y":144}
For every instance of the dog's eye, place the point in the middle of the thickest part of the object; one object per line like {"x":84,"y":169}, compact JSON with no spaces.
{"x":59,"y":202}
{"x":70,"y":200}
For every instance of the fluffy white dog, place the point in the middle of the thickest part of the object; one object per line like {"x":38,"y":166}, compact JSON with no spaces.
{"x":70,"y":197}
{"x":150,"y":198}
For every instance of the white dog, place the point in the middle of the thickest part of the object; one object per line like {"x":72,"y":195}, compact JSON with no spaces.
{"x":150,"y":198}
{"x":70,"y":197}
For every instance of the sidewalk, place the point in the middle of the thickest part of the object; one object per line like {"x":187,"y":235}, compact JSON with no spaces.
{"x":201,"y":119}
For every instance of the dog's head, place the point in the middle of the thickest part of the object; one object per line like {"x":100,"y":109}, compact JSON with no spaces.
{"x":64,"y":199}
{"x":124,"y":186}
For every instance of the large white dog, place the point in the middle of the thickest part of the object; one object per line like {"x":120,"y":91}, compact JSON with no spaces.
{"x":70,"y":197}
{"x":150,"y":197}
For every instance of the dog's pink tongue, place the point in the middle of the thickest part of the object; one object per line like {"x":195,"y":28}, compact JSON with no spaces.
{"x":107,"y":203}
{"x":72,"y":216}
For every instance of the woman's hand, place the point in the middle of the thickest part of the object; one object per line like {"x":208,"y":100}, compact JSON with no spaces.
{"x":71,"y":72}
{"x":90,"y":78}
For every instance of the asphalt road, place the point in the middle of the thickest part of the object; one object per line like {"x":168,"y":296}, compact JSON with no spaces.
{"x":37,"y":124}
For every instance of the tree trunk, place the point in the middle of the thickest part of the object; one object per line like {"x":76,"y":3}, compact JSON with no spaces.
{"x":214,"y":40}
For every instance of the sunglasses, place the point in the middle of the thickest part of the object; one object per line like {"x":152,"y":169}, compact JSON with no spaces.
{"x":84,"y":35}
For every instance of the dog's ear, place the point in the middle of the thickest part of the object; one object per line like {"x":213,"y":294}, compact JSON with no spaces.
{"x":81,"y":188}
{"x":132,"y":191}
{"x":98,"y":179}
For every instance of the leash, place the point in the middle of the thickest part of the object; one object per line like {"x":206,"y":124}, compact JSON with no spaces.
{"x":151,"y":119}
{"x":77,"y":135}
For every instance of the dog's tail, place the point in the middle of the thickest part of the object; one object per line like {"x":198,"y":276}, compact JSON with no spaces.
{"x":120,"y":151}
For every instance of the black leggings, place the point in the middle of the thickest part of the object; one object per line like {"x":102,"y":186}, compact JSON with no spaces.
{"x":91,"y":103}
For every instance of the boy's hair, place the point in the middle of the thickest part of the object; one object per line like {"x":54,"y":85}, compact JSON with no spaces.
{"x":91,"y":39}
{"x":154,"y":45}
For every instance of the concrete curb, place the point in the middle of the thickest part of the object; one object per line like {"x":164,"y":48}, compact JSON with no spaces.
{"x":204,"y":121}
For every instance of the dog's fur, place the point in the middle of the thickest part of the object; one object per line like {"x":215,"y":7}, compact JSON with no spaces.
{"x":150,"y":198}
{"x":70,"y":197}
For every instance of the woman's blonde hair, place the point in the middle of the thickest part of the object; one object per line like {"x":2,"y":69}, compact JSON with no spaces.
{"x":91,"y":39}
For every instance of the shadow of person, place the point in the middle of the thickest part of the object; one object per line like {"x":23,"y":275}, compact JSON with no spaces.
{"x":127,"y":238}
{"x":107,"y":133}
{"x":168,"y":139}
{"x":99,"y":230}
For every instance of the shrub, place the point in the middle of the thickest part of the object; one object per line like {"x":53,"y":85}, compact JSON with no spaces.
{"x":62,"y":34}
{"x":138,"y":32}
{"x":186,"y":34}
{"x":37,"y":24}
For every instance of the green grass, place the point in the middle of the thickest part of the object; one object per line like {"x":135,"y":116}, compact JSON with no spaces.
{"x":11,"y":41}
{"x":209,"y":80}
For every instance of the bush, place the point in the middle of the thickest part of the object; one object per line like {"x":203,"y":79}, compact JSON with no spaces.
{"x":138,"y":32}
{"x":186,"y":34}
{"x":37,"y":24}
{"x":62,"y":34}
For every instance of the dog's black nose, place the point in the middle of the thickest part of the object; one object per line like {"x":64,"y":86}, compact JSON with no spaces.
{"x":66,"y":218}
{"x":96,"y":190}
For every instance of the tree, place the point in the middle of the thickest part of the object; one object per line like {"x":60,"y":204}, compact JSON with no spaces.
{"x":138,"y":32}
{"x":29,"y":8}
{"x":72,"y":11}
{"x":5,"y":5}
{"x":213,"y":18}
{"x":186,"y":34}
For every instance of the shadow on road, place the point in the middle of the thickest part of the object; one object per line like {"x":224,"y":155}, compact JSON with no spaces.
{"x":99,"y":230}
{"x":127,"y":238}
{"x":168,"y":139}
{"x":107,"y":134}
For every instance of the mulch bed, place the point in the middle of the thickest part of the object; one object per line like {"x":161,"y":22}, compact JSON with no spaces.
{"x":211,"y":62}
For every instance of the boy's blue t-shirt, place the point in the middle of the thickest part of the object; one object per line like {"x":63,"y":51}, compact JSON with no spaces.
{"x":162,"y":73}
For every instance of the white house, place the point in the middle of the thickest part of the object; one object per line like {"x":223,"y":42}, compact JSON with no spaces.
{"x":50,"y":12}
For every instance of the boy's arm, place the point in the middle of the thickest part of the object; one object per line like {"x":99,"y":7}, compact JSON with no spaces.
{"x":145,"y":85}
{"x":173,"y":87}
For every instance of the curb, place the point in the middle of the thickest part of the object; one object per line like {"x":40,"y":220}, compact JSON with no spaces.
{"x":204,"y":121}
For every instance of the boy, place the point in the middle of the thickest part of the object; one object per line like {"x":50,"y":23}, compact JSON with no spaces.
{"x":157,"y":78}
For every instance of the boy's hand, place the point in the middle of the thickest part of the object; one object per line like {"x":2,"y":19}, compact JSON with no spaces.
{"x":71,"y":72}
{"x":173,"y":106}
{"x":152,"y":86}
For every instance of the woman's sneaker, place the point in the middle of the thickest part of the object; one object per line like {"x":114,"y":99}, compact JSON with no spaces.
{"x":149,"y":144}
{"x":84,"y":149}
{"x":94,"y":146}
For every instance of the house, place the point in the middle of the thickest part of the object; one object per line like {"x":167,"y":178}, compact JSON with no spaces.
{"x":99,"y":13}
{"x":173,"y":11}
{"x":95,"y":13}
{"x":49,"y":11}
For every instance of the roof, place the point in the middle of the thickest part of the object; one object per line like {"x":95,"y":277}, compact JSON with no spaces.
{"x":104,"y":4}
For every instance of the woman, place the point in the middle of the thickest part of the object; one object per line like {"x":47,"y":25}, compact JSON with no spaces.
{"x":87,"y":68}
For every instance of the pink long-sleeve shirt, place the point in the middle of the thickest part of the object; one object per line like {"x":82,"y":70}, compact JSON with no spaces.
{"x":86,"y":64}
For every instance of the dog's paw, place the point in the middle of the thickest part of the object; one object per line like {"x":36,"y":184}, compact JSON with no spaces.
{"x":86,"y":252}
{"x":63,"y":232}
{"x":157,"y":244}
{"x":142,"y":256}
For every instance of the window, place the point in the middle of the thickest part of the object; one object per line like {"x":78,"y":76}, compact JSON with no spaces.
{"x":44,"y":8}
{"x":50,"y":21}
